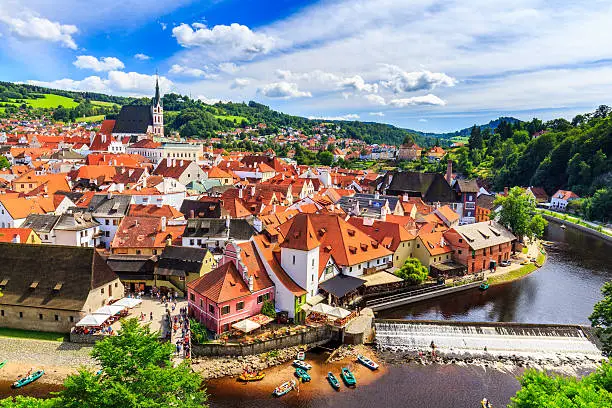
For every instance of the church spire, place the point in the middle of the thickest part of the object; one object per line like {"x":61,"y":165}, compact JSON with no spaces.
{"x":157,"y":99}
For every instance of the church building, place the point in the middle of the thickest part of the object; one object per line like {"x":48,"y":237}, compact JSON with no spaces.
{"x":141,"y":121}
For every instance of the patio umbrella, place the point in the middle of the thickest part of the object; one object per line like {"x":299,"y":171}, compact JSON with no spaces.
{"x":109,"y":310}
{"x":322,"y":308}
{"x":93,"y":320}
{"x":339,"y":312}
{"x":128,"y":302}
{"x":246,"y":326}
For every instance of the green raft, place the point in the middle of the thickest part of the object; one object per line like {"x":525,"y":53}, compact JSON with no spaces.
{"x":348,"y":377}
{"x":3,"y":363}
{"x":29,"y":379}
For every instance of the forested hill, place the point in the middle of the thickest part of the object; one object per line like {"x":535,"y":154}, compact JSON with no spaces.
{"x":12,"y":92}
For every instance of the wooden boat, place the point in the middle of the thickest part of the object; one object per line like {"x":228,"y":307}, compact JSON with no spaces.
{"x":29,"y":379}
{"x":301,"y":356}
{"x":367,"y":362}
{"x":484,"y":286}
{"x":301,"y":364}
{"x":333,"y":381}
{"x":247,"y":377}
{"x":3,"y":363}
{"x":348,"y":377}
{"x":302,"y":374}
{"x":284,"y":388}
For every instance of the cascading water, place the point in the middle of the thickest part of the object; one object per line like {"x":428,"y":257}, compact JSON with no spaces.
{"x":405,"y":336}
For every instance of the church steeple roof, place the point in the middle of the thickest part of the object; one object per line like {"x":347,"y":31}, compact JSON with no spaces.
{"x":157,"y":99}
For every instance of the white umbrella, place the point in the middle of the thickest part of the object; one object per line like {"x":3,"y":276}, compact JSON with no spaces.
{"x":93,"y":320}
{"x":339,"y":312}
{"x":109,"y":310}
{"x":322,"y":308}
{"x":246,"y":326}
{"x":128,"y":302}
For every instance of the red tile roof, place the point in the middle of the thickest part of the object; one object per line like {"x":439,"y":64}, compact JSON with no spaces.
{"x":220,"y":285}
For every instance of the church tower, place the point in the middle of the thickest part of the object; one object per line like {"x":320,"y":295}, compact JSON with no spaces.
{"x":157,"y":111}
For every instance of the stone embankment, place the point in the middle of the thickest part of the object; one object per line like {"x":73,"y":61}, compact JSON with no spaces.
{"x":216,"y":367}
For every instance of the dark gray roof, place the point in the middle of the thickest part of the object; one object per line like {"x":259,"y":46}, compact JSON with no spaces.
{"x":133,"y":119}
{"x":73,"y":196}
{"x":239,"y":228}
{"x":77,"y":221}
{"x":340,"y":285}
{"x":179,"y":261}
{"x":132,"y":267}
{"x":431,"y":187}
{"x":116,"y":206}
{"x":368,"y":207}
{"x":201,"y":209}
{"x":66,"y":155}
{"x":466,"y":186}
{"x":50,"y":276}
{"x":40,"y":222}
{"x":485,"y":201}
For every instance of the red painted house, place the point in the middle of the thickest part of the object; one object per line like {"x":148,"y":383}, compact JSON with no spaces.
{"x":233,"y":291}
{"x":480,"y":246}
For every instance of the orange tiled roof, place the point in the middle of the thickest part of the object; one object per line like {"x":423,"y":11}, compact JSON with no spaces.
{"x":222,"y":284}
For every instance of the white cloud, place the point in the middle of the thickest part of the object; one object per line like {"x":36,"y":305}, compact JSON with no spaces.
{"x":229,"y":41}
{"x":163,"y":26}
{"x":380,"y":114}
{"x":348,"y":116}
{"x":229,"y":67}
{"x":33,"y":27}
{"x":423,"y":120}
{"x":117,"y":82}
{"x":338,"y":81}
{"x":98,"y":65}
{"x":283,"y":90}
{"x":357,"y":83}
{"x":208,"y":101}
{"x":240,"y":83}
{"x":376,"y":99}
{"x":142,"y":57}
{"x":402,"y":81}
{"x":428,"y":99}
{"x":177,"y":69}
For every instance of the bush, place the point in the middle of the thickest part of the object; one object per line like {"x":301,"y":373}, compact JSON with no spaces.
{"x":413,"y":271}
{"x":268,"y":309}
{"x":199,"y":333}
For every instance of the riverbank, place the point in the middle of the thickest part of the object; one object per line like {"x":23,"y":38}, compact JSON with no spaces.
{"x":596,"y":230}
{"x":517,"y":271}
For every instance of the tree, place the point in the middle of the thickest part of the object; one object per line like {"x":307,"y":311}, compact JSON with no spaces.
{"x":601,"y":318}
{"x":538,"y":389}
{"x":4,"y":163}
{"x":517,"y":213}
{"x":475,"y":141}
{"x":413,"y":271}
{"x":268,"y":309}
{"x":599,"y":207}
{"x":325,"y":158}
{"x":137,"y":371}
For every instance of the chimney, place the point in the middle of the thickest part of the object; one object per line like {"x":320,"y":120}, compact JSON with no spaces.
{"x":239,"y":192}
{"x":449,"y":171}
{"x":405,"y":197}
{"x":168,"y":162}
{"x":181,"y":163}
{"x":163,"y":224}
{"x":173,"y":162}
{"x":16,"y":239}
{"x":191,"y":214}
{"x":109,"y":195}
{"x":251,"y":283}
{"x":253,"y":191}
{"x":227,"y":222}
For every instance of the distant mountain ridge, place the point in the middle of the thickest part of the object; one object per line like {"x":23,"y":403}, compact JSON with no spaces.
{"x":493,"y":124}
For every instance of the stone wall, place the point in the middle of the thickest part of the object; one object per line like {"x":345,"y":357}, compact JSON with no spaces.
{"x":579,"y":227}
{"x":38,"y":319}
{"x":310,"y":336}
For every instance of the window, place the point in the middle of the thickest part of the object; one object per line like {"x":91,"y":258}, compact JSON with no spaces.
{"x":225,"y":310}
{"x":21,"y":315}
{"x":106,"y":222}
{"x":313,"y":262}
{"x":397,"y":258}
{"x":40,"y":316}
{"x":71,"y":319}
{"x":294,"y":259}
{"x":473,"y":254}
{"x":192,"y":297}
{"x":201,"y":303}
{"x":259,"y":299}
{"x":102,"y":291}
{"x":115,"y":222}
{"x":460,"y":240}
{"x":459,"y":252}
{"x":57,"y":318}
{"x":239,"y":306}
{"x":155,"y":252}
{"x":138,"y":252}
{"x":418,"y":245}
{"x":211,"y":309}
{"x":116,"y":284}
{"x":313,"y":278}
{"x":2,"y":313}
{"x":191,"y":242}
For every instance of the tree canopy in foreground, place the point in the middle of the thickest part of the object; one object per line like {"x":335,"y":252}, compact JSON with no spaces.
{"x":517,"y":213}
{"x":601,"y":318}
{"x":137,"y":371}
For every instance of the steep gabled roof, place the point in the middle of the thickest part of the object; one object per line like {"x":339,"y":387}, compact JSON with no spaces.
{"x":301,"y":234}
{"x":220,"y":285}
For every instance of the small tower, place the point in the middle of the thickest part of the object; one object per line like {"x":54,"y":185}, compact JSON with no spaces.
{"x":157,"y":111}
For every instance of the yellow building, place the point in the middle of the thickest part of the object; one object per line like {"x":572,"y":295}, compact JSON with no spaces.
{"x":19,"y":235}
{"x":431,"y":248}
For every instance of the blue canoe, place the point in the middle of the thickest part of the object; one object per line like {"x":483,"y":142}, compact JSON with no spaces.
{"x":302,"y":375}
{"x":333,"y":381}
{"x":348,"y":377}
{"x":29,"y":379}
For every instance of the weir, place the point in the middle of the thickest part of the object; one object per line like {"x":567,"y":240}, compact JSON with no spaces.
{"x":504,"y":338}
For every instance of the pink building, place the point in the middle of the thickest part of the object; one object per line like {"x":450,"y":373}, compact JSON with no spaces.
{"x":233,"y":291}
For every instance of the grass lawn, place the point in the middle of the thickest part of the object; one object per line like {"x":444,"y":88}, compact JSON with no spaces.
{"x":236,"y":119}
{"x":97,"y":118}
{"x":515,"y":274}
{"x":100,"y":103}
{"x":51,"y":101}
{"x":34,"y":335}
{"x":460,"y":139}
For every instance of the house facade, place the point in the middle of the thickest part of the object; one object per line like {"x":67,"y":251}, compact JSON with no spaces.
{"x":561,"y":199}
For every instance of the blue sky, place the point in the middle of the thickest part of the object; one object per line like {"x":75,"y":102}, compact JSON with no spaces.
{"x":423,"y":64}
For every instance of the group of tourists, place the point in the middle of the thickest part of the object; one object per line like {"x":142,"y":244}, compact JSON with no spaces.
{"x":180,"y":328}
